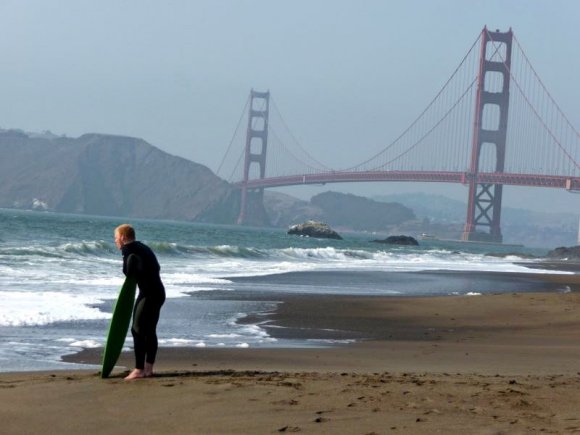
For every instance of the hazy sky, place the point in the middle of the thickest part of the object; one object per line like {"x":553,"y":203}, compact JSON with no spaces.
{"x":178,"y":73}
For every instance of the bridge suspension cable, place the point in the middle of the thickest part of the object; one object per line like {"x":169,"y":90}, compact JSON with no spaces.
{"x":550,"y":121}
{"x":422,"y":115}
{"x":414,"y":145}
{"x":234,"y":136}
{"x":545,"y":89}
{"x":540,"y":139}
{"x":478,"y":130}
{"x":549,"y":117}
{"x":278,"y":165}
{"x":317,"y":164}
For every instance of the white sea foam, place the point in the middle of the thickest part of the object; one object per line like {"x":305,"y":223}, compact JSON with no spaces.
{"x":42,"y":308}
{"x":330,"y":341}
{"x":86,"y":344}
{"x":195,"y":277}
{"x":176,"y":342}
{"x":179,"y":283}
{"x":223,"y":335}
{"x":208,"y":272}
{"x":63,"y":295}
{"x":256,"y":332}
{"x":66,"y":340}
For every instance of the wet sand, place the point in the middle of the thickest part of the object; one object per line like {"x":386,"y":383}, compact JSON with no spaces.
{"x":498,"y":363}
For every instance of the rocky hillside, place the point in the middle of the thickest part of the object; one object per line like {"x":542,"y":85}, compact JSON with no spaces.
{"x":339,"y":210}
{"x":124,"y":176}
{"x":108,"y":175}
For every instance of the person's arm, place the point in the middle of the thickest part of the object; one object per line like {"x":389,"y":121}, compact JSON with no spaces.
{"x":133,"y":266}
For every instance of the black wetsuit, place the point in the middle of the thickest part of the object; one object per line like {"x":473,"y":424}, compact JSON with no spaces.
{"x":140,"y":261}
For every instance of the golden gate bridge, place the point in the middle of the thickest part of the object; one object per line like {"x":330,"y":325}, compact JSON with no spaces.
{"x":493,"y":123}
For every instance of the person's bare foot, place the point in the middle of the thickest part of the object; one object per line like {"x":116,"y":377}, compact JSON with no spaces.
{"x":148,"y":371}
{"x":135,"y":374}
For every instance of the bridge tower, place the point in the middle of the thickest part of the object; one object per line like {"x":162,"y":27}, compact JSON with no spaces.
{"x":252,"y":200}
{"x":491,"y":106}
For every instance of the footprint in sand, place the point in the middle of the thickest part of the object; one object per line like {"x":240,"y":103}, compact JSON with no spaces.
{"x":285,"y":402}
{"x":289,"y":429}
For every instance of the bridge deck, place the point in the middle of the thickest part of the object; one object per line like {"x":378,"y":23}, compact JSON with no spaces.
{"x":532,"y":180}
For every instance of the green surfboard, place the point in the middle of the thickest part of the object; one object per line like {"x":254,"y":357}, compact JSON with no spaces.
{"x":119,"y":326}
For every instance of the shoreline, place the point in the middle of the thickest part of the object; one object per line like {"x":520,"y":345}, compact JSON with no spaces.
{"x":341,"y":323}
{"x":497,"y":363}
{"x":511,"y":334}
{"x":493,"y":363}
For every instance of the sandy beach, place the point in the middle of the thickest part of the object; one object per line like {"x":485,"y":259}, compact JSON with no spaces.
{"x":491,"y":364}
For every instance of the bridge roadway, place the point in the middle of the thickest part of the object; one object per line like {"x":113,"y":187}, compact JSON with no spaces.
{"x":531,"y":180}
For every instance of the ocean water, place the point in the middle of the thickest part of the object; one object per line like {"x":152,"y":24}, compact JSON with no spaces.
{"x":60,"y":275}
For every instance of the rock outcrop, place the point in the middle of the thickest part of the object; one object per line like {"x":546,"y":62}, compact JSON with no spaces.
{"x":563,"y":253}
{"x":314,"y":229}
{"x":399,"y":240}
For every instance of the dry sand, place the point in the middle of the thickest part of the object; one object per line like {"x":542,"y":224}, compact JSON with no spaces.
{"x":455,"y":365}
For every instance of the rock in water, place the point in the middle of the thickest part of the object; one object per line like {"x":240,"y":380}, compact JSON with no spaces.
{"x":314,"y":229}
{"x":399,"y":240}
{"x":564,"y":253}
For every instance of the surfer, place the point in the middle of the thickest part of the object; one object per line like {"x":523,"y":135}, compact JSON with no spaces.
{"x":140,"y":262}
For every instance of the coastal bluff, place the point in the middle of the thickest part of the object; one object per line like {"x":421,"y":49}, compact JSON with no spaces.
{"x":121,"y":176}
{"x":108,"y":175}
